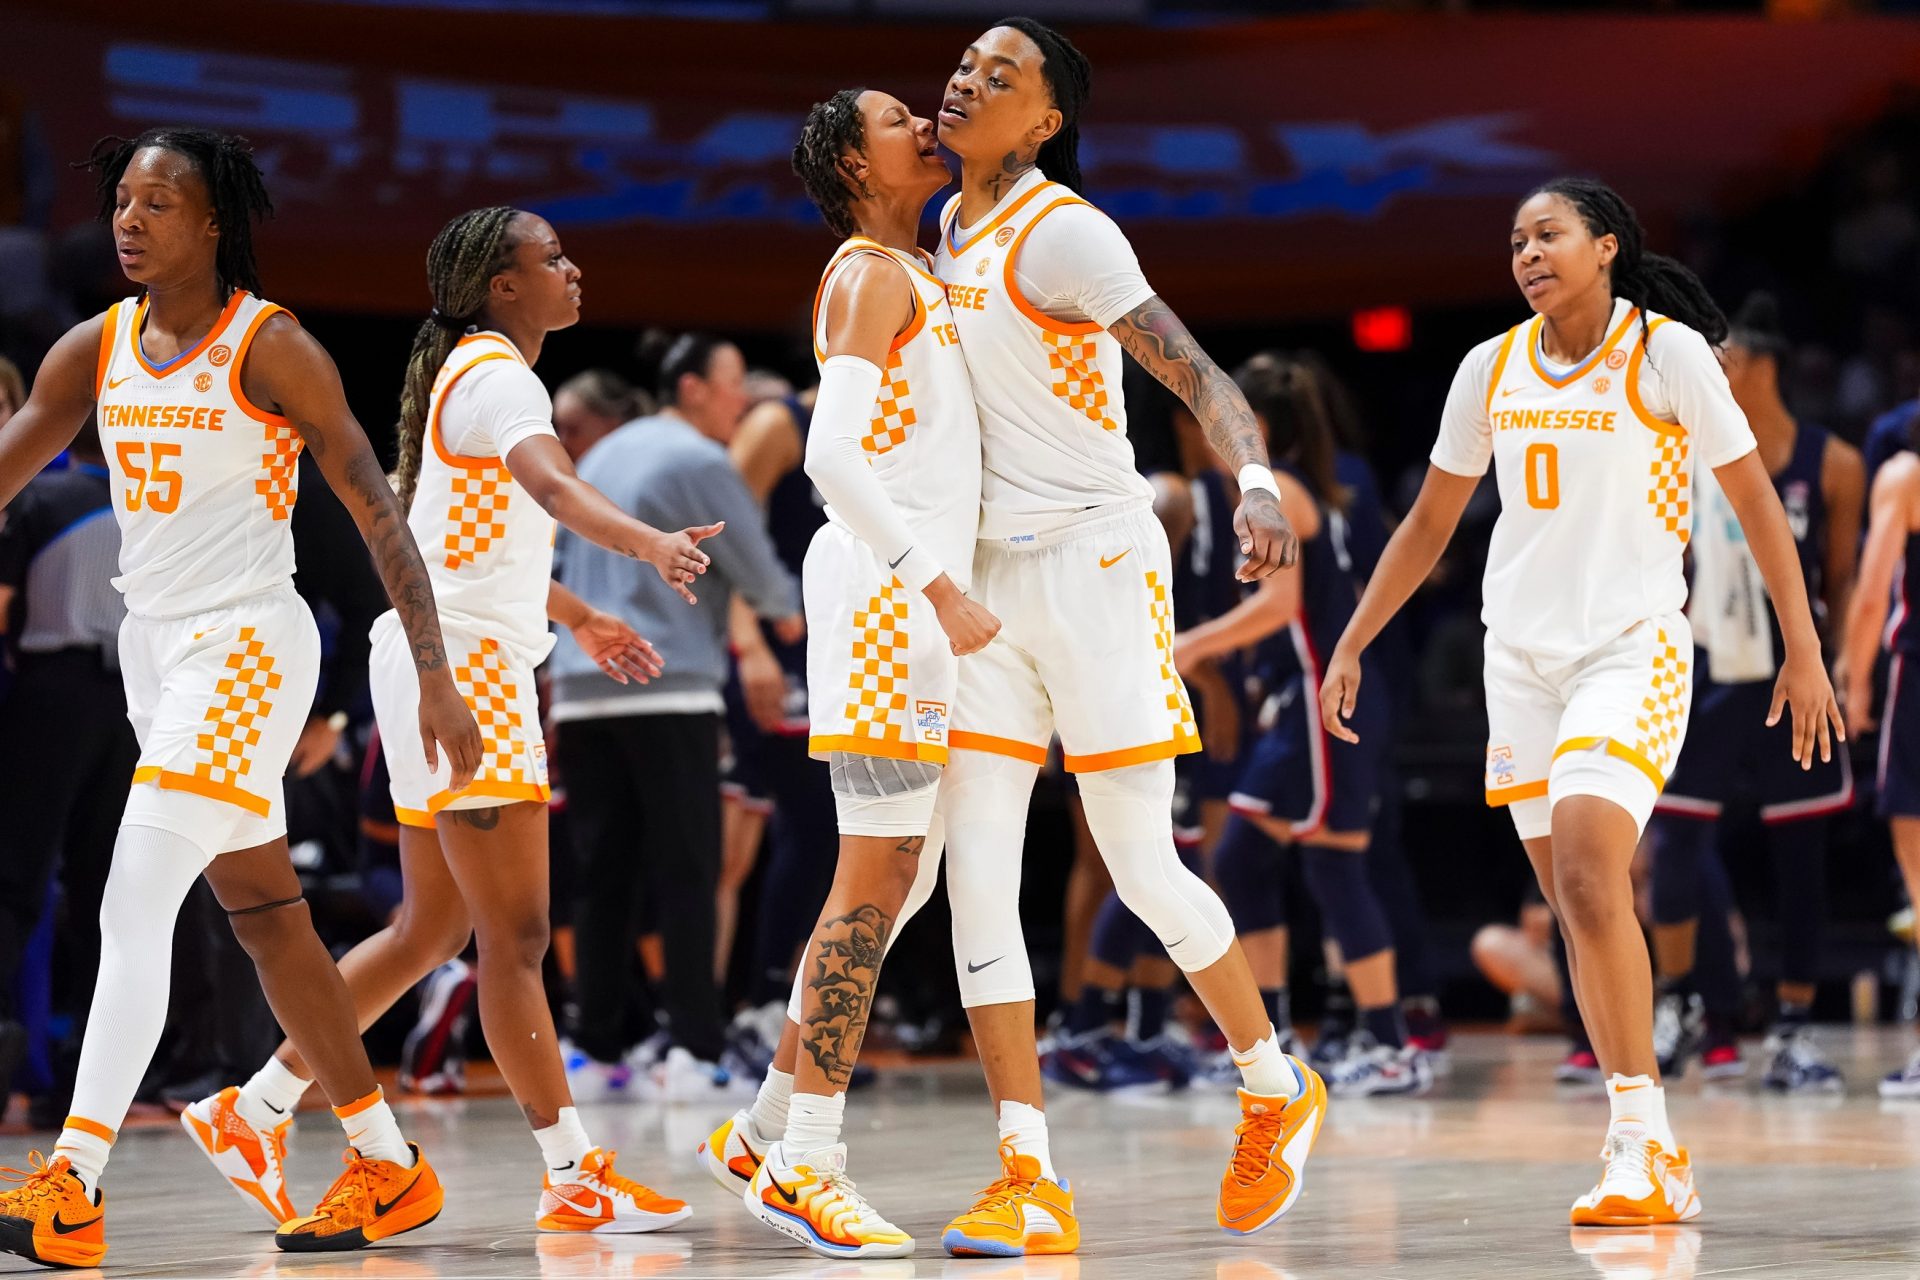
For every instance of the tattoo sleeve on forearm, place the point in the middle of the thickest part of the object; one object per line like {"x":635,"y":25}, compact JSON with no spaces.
{"x":384,"y":526}
{"x":845,"y":968}
{"x":1154,"y":336}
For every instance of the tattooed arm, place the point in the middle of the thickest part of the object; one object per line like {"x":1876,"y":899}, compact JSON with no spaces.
{"x":287,"y":372}
{"x":1156,"y":338}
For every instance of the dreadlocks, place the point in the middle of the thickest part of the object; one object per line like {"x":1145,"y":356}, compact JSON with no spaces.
{"x":1651,"y":281}
{"x":1069,"y":78}
{"x":833,"y":128}
{"x":225,"y":163}
{"x":465,"y":257}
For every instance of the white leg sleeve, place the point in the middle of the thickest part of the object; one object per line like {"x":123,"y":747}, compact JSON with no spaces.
{"x":984,"y":798}
{"x":923,"y":882}
{"x":1130,"y":812}
{"x":152,"y":871}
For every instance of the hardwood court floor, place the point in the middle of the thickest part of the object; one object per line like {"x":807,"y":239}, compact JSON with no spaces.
{"x":1472,"y":1181}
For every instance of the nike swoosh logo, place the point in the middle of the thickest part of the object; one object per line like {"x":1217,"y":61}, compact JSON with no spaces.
{"x":785,"y":1194}
{"x":562,"y":1168}
{"x":975,"y":968}
{"x":1507,"y":391}
{"x":381,"y":1207}
{"x":279,"y":1111}
{"x":114,"y":382}
{"x":1108,"y":564}
{"x":903,"y":555}
{"x":1628,"y":1088}
{"x":66,"y":1228}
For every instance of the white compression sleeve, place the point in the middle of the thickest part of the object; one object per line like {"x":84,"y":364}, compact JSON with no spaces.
{"x":838,"y":468}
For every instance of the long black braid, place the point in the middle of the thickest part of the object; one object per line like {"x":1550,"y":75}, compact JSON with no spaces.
{"x":225,"y":163}
{"x":1069,"y":78}
{"x":1651,"y":281}
{"x":465,"y":257}
{"x":832,"y":129}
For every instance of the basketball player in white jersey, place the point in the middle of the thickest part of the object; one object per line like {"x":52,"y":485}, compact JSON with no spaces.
{"x":894,"y":447}
{"x":1597,"y":410}
{"x":1045,"y":292}
{"x":485,"y":478}
{"x":205,"y":395}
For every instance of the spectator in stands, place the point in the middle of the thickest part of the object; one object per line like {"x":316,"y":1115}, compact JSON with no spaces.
{"x":589,"y":406}
{"x":66,"y":748}
{"x":642,"y":763}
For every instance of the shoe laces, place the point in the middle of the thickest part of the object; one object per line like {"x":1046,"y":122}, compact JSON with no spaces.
{"x":41,"y":1180}
{"x":1011,"y":1185}
{"x":277,"y":1140}
{"x":1253,"y":1141}
{"x":1628,"y":1156}
{"x":618,"y":1181}
{"x":349,"y":1198}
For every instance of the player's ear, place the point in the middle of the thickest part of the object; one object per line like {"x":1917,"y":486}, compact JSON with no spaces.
{"x":1608,"y":246}
{"x":855,"y":170}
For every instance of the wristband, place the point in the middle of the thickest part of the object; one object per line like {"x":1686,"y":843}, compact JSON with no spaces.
{"x":1256,"y":476}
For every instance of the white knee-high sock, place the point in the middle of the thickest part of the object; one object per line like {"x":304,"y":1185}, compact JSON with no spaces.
{"x":152,"y":872}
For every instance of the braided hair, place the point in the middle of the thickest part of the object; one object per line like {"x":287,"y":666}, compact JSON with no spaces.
{"x":1651,"y":281}
{"x":1069,"y":78}
{"x":832,"y":129}
{"x":1290,"y":397}
{"x":467,"y":254}
{"x":225,"y":163}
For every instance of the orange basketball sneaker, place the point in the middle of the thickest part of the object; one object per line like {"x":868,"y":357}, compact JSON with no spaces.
{"x":598,"y":1199}
{"x":1270,"y":1150}
{"x":49,"y":1218}
{"x":255,"y":1163}
{"x":1023,"y":1213}
{"x":1644,"y":1184}
{"x":731,"y":1154}
{"x":372,"y":1200}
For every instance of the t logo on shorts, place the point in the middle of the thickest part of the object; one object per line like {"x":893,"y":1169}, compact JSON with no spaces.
{"x":930,"y":721}
{"x":1500,"y":766}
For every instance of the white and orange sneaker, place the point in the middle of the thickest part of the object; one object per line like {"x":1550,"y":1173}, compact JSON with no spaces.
{"x":597,"y":1198}
{"x":813,"y":1200}
{"x":1270,"y":1148}
{"x":731,"y":1155}
{"x":254,"y":1162}
{"x":1644,"y":1184}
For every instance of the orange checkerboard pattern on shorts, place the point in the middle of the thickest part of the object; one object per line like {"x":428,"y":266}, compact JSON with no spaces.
{"x":241,"y":701}
{"x":1075,"y":380}
{"x":281,"y":463}
{"x":1667,"y":493}
{"x":1664,"y":710}
{"x":476,"y":520}
{"x":893,"y":410}
{"x":483,"y":680}
{"x":878,"y":687}
{"x":1177,"y":702}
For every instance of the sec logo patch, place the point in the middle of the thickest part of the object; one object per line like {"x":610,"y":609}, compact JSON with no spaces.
{"x":203,"y":381}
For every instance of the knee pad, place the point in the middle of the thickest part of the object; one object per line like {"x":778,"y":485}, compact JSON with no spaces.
{"x":877,"y":796}
{"x":1130,"y":813}
{"x":1338,"y":879}
{"x":1681,"y":845}
{"x":984,"y":798}
{"x":1250,"y":868}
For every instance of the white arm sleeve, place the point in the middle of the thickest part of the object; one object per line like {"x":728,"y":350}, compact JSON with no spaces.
{"x":838,"y":468}
{"x":1076,"y":265}
{"x":1465,"y":446}
{"x":495,"y":406}
{"x":1683,"y":380}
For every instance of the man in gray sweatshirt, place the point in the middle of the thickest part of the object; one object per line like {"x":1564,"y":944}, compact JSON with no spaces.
{"x":641,"y":764}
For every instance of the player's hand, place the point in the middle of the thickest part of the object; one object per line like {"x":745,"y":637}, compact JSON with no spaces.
{"x":763,"y":687}
{"x":446,"y":723}
{"x":1804,"y":686}
{"x":1266,"y":539}
{"x":316,"y":746}
{"x":616,"y":648}
{"x":1339,"y":690}
{"x":1857,"y":702}
{"x":970,"y":626}
{"x":678,"y":557}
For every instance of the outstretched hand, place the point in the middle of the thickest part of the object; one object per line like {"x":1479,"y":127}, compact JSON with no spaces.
{"x":678,"y":557}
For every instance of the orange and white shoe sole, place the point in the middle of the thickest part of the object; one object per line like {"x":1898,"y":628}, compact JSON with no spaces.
{"x":1317,"y":1090}
{"x":615,"y":1221}
{"x":1652,"y":1211}
{"x":233,"y":1165}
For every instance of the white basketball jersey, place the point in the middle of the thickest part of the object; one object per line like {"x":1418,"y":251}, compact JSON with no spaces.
{"x":1595,"y":471}
{"x":1053,"y":423}
{"x":205,"y":480}
{"x":924,"y":441}
{"x":488,"y":545}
